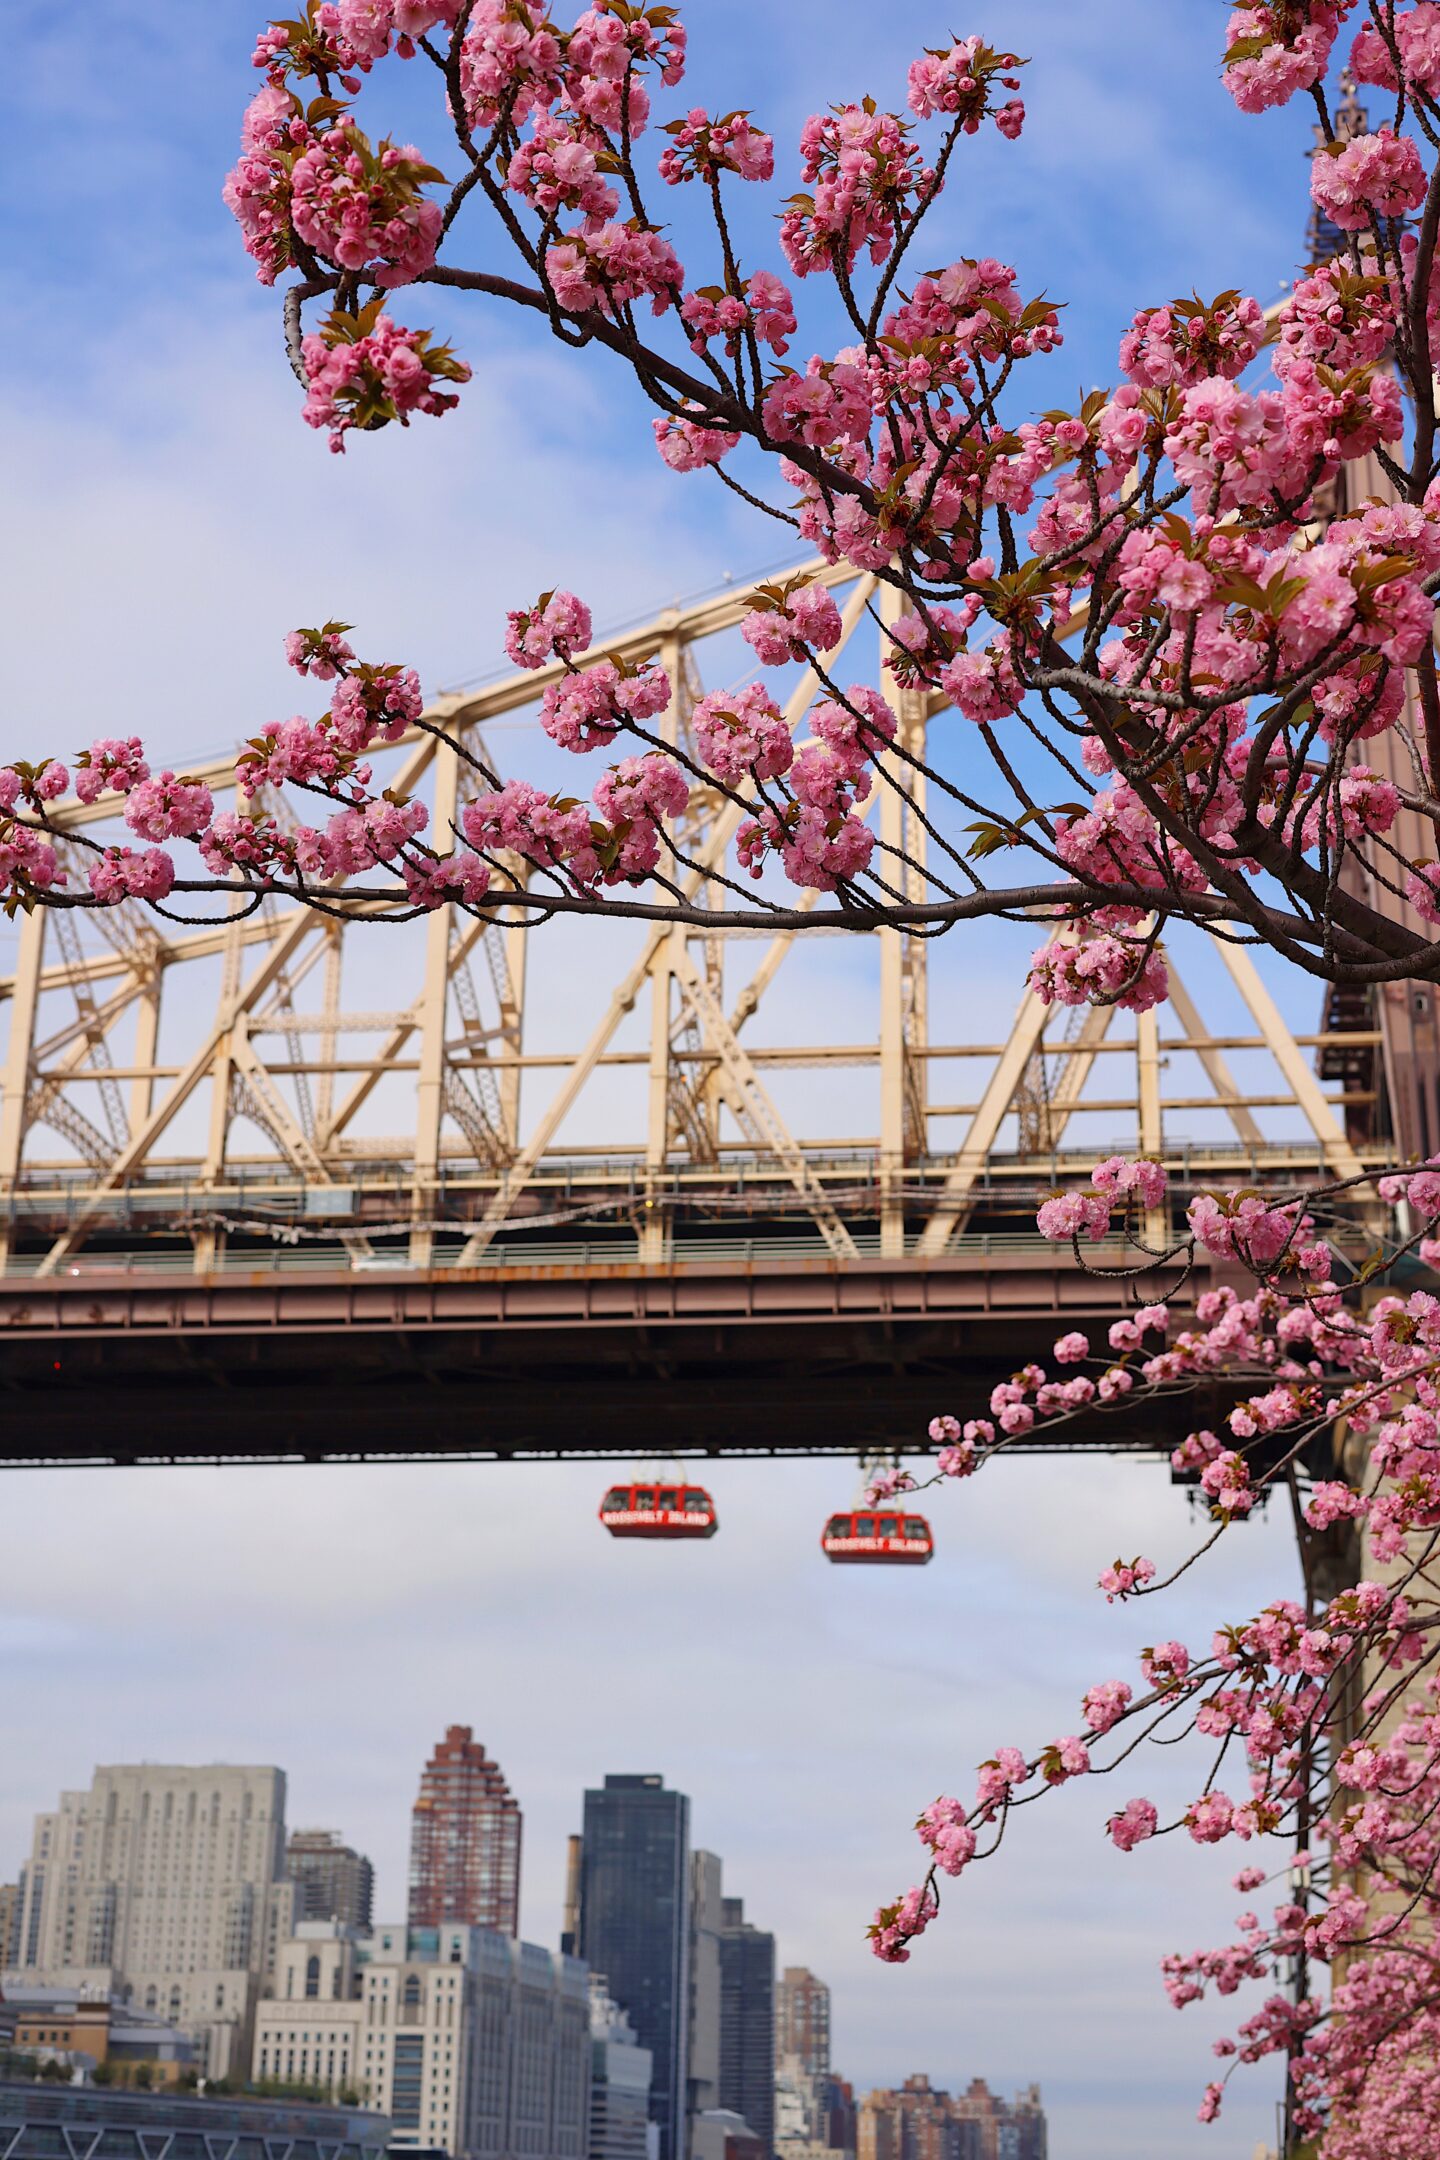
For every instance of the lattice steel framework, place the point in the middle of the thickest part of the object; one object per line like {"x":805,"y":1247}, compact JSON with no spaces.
{"x":198,"y":1094}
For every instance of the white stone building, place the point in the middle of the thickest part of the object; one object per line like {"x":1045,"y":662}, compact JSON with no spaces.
{"x":472,"y":2043}
{"x":165,"y":1886}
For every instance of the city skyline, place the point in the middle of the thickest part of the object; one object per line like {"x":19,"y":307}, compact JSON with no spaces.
{"x":468,"y":1626}
{"x":340,"y":1873}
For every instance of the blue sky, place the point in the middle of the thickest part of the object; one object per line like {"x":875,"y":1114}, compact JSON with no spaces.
{"x":170,"y":519}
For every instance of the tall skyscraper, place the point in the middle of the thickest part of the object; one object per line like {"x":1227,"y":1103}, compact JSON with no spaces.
{"x":802,"y":2022}
{"x":164,"y":1884}
{"x":635,"y":1928}
{"x":707,"y":1918}
{"x":465,"y":1840}
{"x":336,"y":1882}
{"x":747,"y":2021}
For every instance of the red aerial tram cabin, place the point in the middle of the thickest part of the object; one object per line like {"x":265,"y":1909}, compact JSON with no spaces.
{"x":658,"y":1511}
{"x":881,"y":1534}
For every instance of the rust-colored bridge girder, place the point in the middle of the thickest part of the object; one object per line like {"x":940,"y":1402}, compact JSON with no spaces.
{"x":787,"y":1357}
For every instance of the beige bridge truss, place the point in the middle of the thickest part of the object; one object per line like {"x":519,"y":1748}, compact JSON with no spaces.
{"x":166,"y":1089}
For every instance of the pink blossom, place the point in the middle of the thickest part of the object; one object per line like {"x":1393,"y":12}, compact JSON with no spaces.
{"x":790,"y":622}
{"x":110,"y":762}
{"x":1073,"y":1214}
{"x":166,"y":808}
{"x":1296,"y":52}
{"x":385,"y":373}
{"x":943,"y":1827}
{"x":701,"y":148}
{"x":1208,"y":1819}
{"x":742,"y":732}
{"x":1105,"y":1704}
{"x":121,"y":874}
{"x":1136,"y":1821}
{"x":1125,"y":1578}
{"x":687,"y":446}
{"x":557,"y":625}
{"x":1380,"y":175}
{"x":321,"y":653}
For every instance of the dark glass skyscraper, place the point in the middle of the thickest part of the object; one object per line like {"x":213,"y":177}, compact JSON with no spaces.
{"x":635,"y":1927}
{"x":747,"y":2022}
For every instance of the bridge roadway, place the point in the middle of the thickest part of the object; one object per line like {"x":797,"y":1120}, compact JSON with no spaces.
{"x":698,"y":1357}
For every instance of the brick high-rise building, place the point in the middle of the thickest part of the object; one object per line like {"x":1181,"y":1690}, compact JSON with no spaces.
{"x":802,"y":2022}
{"x":919,"y":2123}
{"x":465,"y":1840}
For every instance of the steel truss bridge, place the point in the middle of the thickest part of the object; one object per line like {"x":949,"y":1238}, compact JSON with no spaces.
{"x":252,"y":1204}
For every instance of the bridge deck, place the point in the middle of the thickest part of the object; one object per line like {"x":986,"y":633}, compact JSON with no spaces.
{"x":771,"y":1355}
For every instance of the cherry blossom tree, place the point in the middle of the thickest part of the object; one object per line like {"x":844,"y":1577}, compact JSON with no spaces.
{"x":1133,"y":606}
{"x":1315,"y":1721}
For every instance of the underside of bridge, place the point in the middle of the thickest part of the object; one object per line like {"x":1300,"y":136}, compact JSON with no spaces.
{"x":818,"y":1358}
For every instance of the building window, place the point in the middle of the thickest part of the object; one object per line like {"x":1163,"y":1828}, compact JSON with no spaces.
{"x":407,"y":2081}
{"x":312,"y":1978}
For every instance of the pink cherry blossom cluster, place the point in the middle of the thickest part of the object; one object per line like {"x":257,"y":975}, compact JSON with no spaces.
{"x":364,"y":377}
{"x":701,"y":148}
{"x":762,"y":305}
{"x":557,"y":168}
{"x":361,"y":208}
{"x":1187,"y":342}
{"x":1099,"y":968}
{"x":961,"y":81}
{"x":612,"y":267}
{"x":1415,"y":32}
{"x":866,"y":173}
{"x":829,"y":403}
{"x":122,"y":874}
{"x":819,"y":848}
{"x":1374,"y":176}
{"x":589,"y":706}
{"x":110,"y":763}
{"x":1276,"y":47}
{"x":742,"y":733}
{"x":791,"y":622}
{"x":558,"y":627}
{"x":687,"y":445}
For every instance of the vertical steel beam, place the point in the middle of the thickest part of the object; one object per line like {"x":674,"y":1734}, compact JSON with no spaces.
{"x":434,"y":1006}
{"x":654,"y":1232}
{"x":24,"y":1003}
{"x":1148,"y":1118}
{"x":902,"y":956}
{"x":147,"y":1042}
